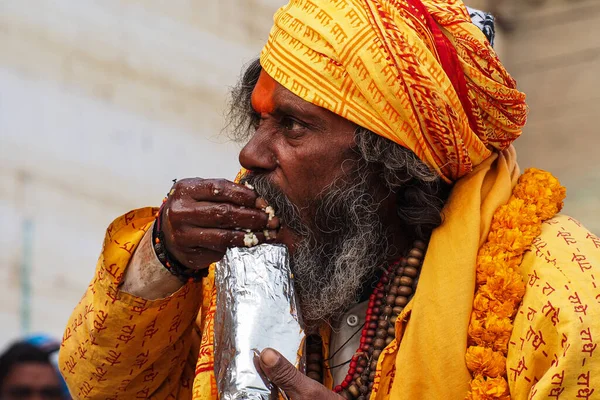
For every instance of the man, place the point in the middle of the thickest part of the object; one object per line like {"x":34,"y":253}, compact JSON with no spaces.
{"x":380,"y":132}
{"x":26,"y":373}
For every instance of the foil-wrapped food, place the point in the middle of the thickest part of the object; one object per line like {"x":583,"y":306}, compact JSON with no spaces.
{"x":256,"y":308}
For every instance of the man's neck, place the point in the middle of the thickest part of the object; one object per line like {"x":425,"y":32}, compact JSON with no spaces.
{"x":398,"y":242}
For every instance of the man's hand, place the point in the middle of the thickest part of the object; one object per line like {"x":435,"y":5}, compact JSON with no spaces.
{"x":204,"y":217}
{"x":286,"y":377}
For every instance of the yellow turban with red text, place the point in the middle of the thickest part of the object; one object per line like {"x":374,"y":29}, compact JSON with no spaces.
{"x":417,"y":72}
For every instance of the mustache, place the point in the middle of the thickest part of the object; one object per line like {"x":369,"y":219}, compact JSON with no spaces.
{"x":288,"y":213}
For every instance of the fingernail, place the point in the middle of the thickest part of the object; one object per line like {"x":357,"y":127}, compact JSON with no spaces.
{"x":261,"y":203}
{"x":273,"y":223}
{"x":269,"y":357}
{"x":270,"y":234}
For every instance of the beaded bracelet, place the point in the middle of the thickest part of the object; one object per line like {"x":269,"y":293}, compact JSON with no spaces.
{"x":167,"y":260}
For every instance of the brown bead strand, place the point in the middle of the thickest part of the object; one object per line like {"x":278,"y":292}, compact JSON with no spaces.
{"x":392,"y":295}
{"x":314,"y":357}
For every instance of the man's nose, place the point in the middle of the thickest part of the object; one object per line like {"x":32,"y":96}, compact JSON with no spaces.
{"x":258,"y":155}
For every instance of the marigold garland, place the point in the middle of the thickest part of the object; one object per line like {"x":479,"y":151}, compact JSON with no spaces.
{"x":537,"y":197}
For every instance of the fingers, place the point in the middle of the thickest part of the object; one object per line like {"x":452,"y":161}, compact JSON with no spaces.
{"x":204,"y":217}
{"x":197,"y":248}
{"x":221,"y":215}
{"x":217,"y":203}
{"x":215,"y":190}
{"x":220,"y":240}
{"x":295,"y":384}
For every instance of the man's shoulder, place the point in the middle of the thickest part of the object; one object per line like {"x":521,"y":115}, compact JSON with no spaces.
{"x":139,"y":215}
{"x":133,"y":221}
{"x":561,"y":270}
{"x":562,"y":222}
{"x":564,"y":240}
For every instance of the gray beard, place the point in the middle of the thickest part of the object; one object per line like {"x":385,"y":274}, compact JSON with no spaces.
{"x":342,"y":244}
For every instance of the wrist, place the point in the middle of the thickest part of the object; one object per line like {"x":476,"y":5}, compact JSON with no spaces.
{"x":169,"y":262}
{"x":145,"y":276}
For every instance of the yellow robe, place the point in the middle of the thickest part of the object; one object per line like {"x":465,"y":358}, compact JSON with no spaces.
{"x":117,"y":346}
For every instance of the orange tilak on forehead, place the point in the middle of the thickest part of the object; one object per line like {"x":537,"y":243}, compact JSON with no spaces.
{"x":262,"y":95}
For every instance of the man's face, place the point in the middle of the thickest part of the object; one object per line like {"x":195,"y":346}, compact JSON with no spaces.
{"x":302,"y":161}
{"x":31,"y":381}
{"x":302,"y":148}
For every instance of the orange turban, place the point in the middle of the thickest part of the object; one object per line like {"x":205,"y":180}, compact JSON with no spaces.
{"x":417,"y":72}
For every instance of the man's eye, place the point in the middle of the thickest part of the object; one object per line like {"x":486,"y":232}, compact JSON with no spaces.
{"x":291,"y":124}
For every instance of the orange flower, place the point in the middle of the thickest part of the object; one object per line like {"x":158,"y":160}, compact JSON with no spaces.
{"x":515,"y":214}
{"x":483,"y":305}
{"x":493,"y":249}
{"x":486,"y":269}
{"x":500,"y":330}
{"x":488,"y":389}
{"x":542,"y":189}
{"x":506,"y":286}
{"x":515,"y":240}
{"x":485,"y":361}
{"x":491,"y":331}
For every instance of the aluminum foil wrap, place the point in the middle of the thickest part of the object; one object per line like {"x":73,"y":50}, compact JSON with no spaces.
{"x":256,"y":308}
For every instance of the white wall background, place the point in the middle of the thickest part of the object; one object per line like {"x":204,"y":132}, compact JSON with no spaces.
{"x":102,"y":103}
